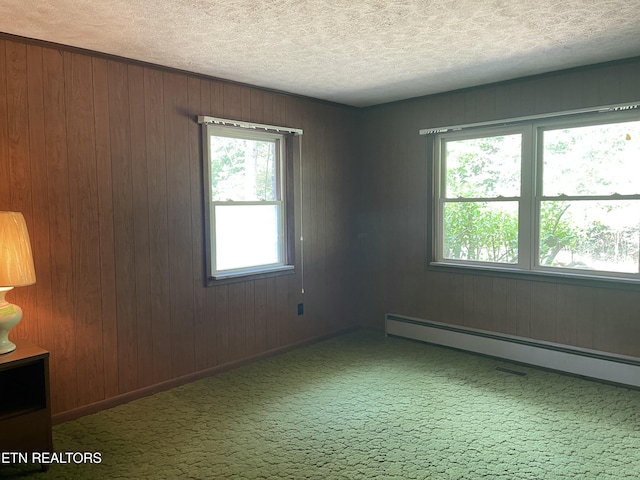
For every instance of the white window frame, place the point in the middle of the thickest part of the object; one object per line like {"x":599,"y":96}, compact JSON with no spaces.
{"x":531,"y":194}
{"x":213,"y":127}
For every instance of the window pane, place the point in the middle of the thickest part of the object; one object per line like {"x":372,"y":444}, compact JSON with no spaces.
{"x":481,"y":231}
{"x":593,"y":160}
{"x":243,"y":170}
{"x":483,"y":167}
{"x":590,"y":235}
{"x":247,"y":236}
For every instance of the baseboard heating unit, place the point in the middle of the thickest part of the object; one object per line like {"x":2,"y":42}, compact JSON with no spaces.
{"x":578,"y":361}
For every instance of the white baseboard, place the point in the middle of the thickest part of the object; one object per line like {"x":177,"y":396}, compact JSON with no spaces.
{"x":588,"y":363}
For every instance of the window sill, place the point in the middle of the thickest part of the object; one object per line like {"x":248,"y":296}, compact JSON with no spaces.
{"x":246,"y":275}
{"x":570,"y":278}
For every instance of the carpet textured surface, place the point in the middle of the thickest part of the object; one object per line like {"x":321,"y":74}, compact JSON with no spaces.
{"x":363,"y":406}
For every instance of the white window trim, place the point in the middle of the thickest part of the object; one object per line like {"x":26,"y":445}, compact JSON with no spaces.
{"x":212,"y":126}
{"x":440,"y":189}
{"x":530,"y":197}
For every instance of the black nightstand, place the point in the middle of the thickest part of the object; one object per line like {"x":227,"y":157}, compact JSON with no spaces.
{"x":25,"y":406}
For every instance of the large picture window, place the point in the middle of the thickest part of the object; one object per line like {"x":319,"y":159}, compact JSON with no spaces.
{"x":556,"y":196}
{"x":247,"y":199}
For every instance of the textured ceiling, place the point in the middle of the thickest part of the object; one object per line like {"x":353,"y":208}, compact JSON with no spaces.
{"x":357,"y":52}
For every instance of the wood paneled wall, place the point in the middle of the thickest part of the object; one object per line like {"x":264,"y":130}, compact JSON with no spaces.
{"x":392,"y":222}
{"x":103,"y":157}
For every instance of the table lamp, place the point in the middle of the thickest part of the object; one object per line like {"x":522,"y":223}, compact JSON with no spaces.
{"x":16,"y":270}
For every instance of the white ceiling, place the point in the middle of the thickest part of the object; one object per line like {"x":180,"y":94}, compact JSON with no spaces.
{"x":357,"y":52}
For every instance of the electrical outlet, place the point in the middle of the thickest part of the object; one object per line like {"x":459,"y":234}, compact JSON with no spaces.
{"x":300,"y":308}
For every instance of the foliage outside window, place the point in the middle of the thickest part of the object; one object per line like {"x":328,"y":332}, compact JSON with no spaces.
{"x":552,"y":196}
{"x":247,"y":219}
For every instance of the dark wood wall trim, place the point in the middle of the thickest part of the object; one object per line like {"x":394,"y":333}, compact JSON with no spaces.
{"x":147,"y":65}
{"x":176,"y":382}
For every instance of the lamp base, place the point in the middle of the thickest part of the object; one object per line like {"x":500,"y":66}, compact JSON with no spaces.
{"x":10,"y":316}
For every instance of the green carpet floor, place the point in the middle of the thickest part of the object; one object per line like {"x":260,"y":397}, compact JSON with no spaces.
{"x":363,"y":406}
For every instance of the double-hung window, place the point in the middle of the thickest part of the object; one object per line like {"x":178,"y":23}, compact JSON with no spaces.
{"x":557,"y":195}
{"x":248,"y":215}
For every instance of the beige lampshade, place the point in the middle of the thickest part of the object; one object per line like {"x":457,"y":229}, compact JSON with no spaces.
{"x":16,"y":260}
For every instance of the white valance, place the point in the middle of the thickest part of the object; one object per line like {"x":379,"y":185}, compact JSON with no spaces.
{"x":609,"y":108}
{"x":239,"y":123}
